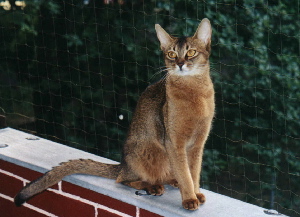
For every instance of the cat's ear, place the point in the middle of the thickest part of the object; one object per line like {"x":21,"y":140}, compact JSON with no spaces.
{"x":164,"y":38}
{"x":203,"y":32}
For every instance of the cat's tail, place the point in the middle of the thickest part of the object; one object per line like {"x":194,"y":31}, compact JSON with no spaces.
{"x":83,"y":166}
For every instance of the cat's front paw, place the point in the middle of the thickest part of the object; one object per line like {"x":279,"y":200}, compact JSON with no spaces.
{"x":201,"y":198}
{"x":191,"y":204}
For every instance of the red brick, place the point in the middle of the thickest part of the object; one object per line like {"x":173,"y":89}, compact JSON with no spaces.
{"x":62,"y":206}
{"x":99,"y":198}
{"x":8,"y":209}
{"x":146,"y":213}
{"x":9,"y":186}
{"x":105,"y":213}
{"x":19,"y":170}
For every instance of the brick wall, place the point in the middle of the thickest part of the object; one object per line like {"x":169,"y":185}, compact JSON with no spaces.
{"x":63,"y":200}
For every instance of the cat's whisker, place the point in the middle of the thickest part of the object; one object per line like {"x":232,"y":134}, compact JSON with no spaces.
{"x":157,"y":73}
{"x":161,"y":69}
{"x":165,"y":77}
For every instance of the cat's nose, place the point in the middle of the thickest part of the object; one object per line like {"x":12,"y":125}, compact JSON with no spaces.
{"x":180,"y":64}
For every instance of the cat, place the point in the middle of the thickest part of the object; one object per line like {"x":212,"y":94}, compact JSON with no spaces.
{"x":168,"y":131}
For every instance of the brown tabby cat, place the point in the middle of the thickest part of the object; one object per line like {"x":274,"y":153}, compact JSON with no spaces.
{"x":169,"y":128}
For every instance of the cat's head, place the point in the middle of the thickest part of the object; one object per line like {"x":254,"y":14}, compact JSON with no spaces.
{"x":186,"y":55}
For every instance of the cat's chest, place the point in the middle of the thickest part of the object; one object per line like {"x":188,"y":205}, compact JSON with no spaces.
{"x":188,"y":118}
{"x":189,"y":98}
{"x":191,"y":103}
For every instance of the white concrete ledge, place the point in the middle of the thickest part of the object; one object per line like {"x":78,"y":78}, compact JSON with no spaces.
{"x":41,"y":155}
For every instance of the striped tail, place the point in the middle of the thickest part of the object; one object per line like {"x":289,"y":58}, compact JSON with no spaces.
{"x":82,"y":166}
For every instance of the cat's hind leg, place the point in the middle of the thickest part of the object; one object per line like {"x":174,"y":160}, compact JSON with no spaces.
{"x":156,"y":190}
{"x":173,"y":183}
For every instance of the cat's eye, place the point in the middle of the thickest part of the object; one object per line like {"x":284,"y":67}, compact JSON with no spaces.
{"x":172,"y":54}
{"x":191,"y":53}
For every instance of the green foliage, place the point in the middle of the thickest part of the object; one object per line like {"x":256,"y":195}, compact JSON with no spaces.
{"x":74,"y":68}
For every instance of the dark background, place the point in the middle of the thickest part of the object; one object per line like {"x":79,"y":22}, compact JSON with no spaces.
{"x":69,"y":69}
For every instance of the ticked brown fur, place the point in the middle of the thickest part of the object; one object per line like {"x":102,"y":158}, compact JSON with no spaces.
{"x":169,"y":128}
